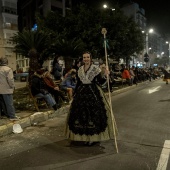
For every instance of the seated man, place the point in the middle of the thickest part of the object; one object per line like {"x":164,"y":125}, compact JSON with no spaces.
{"x":39,"y":89}
{"x":52,"y":88}
{"x":69,"y":84}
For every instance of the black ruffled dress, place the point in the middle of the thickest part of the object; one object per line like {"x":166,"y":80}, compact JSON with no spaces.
{"x":89,"y":117}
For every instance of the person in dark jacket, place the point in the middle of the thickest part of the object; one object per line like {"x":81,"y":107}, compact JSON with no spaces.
{"x":57,"y":69}
{"x":77,"y":65}
{"x":39,"y":89}
{"x":52,"y":88}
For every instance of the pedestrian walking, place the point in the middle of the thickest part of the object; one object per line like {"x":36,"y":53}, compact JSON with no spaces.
{"x":7,"y":87}
{"x":89,"y":119}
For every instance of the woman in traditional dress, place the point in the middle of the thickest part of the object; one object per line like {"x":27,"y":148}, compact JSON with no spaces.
{"x":89,"y":118}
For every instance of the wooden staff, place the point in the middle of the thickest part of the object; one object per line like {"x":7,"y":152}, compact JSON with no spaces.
{"x":104,"y":31}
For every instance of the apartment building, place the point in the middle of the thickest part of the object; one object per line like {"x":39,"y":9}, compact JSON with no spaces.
{"x":27,"y":10}
{"x":8,"y":27}
{"x":156,"y":43}
{"x":138,"y":14}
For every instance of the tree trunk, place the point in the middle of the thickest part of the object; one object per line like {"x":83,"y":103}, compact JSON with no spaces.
{"x":33,"y":63}
{"x":68,"y":63}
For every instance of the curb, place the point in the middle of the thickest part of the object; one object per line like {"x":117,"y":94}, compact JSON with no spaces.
{"x":124,"y":89}
{"x":37,"y":117}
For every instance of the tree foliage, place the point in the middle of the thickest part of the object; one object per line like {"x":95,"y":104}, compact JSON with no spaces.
{"x":80,"y":30}
{"x":31,"y":44}
{"x":161,"y":61}
{"x":83,"y":28}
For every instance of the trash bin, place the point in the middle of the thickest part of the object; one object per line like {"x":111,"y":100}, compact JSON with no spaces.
{"x":23,"y":78}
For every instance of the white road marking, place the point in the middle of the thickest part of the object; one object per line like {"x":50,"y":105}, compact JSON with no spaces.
{"x":154,"y":89}
{"x":163,"y":160}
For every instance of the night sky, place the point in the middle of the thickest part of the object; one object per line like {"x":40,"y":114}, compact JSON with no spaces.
{"x":157,"y":13}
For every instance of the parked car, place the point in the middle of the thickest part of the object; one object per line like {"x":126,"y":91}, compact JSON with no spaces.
{"x":21,"y":76}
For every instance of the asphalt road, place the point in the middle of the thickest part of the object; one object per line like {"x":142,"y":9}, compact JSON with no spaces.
{"x":143,"y":120}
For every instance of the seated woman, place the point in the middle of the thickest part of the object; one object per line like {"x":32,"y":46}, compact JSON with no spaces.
{"x":69,"y":84}
{"x":126,"y":75}
{"x":39,"y":89}
{"x":52,"y":88}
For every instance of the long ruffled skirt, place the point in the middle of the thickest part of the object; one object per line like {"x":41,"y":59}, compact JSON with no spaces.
{"x":89,"y":118}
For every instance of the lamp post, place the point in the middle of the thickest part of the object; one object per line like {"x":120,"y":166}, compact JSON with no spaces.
{"x":147,"y":44}
{"x":105,"y":6}
{"x":168,"y":51}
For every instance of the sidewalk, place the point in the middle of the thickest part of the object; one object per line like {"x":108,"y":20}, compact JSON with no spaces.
{"x":29,"y":119}
{"x":19,"y":84}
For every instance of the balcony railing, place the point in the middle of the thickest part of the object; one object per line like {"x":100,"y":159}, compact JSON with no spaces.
{"x":6,"y":43}
{"x":9,"y":10}
{"x":10,"y":26}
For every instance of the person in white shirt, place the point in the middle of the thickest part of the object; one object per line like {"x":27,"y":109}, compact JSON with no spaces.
{"x":7,"y":87}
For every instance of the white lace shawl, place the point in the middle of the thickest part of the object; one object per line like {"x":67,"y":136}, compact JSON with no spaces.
{"x":88,"y":77}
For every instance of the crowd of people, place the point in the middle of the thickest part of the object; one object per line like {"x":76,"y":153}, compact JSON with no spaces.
{"x":43,"y":81}
{"x":133,"y":75}
{"x":89,"y":118}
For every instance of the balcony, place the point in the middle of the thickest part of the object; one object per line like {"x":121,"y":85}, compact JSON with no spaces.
{"x":9,"y":10}
{"x":10,"y":26}
{"x":7,"y":44}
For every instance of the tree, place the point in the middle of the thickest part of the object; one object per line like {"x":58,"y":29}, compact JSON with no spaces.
{"x":85,"y":24}
{"x":31,"y":44}
{"x":161,"y":61}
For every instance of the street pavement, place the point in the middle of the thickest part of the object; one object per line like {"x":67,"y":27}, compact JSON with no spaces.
{"x":142,"y":116}
{"x":28,"y":118}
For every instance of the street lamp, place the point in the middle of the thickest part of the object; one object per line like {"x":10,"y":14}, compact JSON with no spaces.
{"x":169,"y":51}
{"x":105,"y":6}
{"x":147,"y":43}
